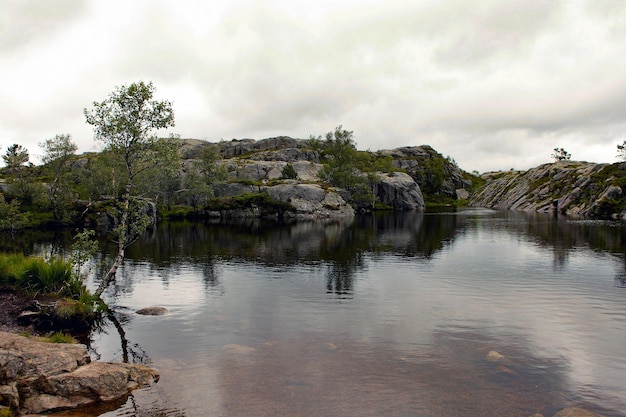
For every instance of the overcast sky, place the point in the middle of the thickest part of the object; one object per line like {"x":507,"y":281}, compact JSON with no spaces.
{"x":494,"y":84}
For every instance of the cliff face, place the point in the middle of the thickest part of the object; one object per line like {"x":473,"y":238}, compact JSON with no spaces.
{"x":568,"y":187}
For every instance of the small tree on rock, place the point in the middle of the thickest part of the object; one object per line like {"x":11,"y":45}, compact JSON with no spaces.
{"x":289,"y":172}
{"x":621,"y":151}
{"x":561,"y":154}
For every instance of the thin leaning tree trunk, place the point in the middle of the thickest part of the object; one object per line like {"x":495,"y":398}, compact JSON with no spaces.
{"x":121,"y":246}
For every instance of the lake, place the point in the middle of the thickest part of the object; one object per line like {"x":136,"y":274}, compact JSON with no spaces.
{"x":462,"y":313}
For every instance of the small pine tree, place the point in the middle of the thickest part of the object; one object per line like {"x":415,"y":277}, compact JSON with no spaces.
{"x":289,"y":172}
{"x":621,"y":151}
{"x":560,"y":154}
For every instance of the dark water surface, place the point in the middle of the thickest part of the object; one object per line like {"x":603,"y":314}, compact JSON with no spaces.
{"x":381,"y":316}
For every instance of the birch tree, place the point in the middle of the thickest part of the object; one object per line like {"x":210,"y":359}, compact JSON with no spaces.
{"x":126,"y":122}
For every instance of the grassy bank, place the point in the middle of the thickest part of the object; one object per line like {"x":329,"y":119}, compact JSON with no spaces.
{"x":72,"y":305}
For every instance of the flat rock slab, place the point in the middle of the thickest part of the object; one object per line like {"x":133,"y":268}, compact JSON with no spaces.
{"x":38,"y":377}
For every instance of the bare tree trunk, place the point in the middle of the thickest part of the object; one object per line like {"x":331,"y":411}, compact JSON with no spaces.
{"x":121,"y":244}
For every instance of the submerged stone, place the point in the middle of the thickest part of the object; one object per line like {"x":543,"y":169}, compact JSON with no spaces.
{"x":152,"y":311}
{"x":494,"y":356}
{"x":575,"y":412}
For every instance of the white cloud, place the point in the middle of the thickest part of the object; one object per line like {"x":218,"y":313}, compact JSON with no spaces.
{"x":493,"y":84}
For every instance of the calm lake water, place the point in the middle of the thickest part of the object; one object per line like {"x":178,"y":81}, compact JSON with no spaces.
{"x":392,"y":315}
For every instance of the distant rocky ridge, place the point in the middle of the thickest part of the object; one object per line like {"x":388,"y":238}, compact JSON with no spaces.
{"x":261,"y":162}
{"x":566,"y":187}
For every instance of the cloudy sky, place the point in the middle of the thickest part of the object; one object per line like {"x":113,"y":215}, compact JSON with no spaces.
{"x":495,"y":84}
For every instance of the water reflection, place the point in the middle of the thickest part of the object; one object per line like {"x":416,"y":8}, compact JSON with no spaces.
{"x":380,"y":315}
{"x":620,"y":277}
{"x":272,"y":243}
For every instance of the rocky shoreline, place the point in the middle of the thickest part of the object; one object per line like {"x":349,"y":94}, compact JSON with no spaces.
{"x":40,"y":377}
{"x":573,"y":188}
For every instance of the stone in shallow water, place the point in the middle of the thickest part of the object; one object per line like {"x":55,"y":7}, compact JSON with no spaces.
{"x":494,"y":356}
{"x":152,"y":311}
{"x":575,"y":412}
{"x":240,"y":349}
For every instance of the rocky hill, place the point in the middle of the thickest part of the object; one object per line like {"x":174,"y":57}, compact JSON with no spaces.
{"x":566,"y":187}
{"x":257,"y":166}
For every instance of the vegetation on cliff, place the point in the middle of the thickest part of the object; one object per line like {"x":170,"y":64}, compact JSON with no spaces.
{"x":566,"y":187}
{"x":88,"y":189}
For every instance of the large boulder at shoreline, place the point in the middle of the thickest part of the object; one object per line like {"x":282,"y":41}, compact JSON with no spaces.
{"x":399,"y":191}
{"x":37,"y":377}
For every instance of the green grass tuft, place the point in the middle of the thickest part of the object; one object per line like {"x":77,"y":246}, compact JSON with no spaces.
{"x":60,"y":337}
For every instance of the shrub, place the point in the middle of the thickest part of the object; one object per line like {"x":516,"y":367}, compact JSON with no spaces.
{"x":289,"y":172}
{"x":248,"y":200}
{"x":378,"y":206}
{"x":179,"y":212}
{"x":6,"y":412}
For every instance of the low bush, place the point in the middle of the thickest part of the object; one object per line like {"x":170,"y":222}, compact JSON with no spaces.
{"x":179,"y":212}
{"x":248,"y":200}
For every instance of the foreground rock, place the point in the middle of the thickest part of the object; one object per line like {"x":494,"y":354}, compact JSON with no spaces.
{"x":37,"y":377}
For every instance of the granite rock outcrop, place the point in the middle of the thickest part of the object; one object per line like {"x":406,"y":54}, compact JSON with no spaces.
{"x":566,"y":187}
{"x":257,"y":166}
{"x":38,"y":377}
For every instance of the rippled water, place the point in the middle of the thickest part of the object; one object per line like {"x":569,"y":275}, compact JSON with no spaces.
{"x":393,"y":315}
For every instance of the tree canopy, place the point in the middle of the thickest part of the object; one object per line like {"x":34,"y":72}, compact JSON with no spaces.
{"x":15,"y":156}
{"x":621,"y":151}
{"x":560,"y":154}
